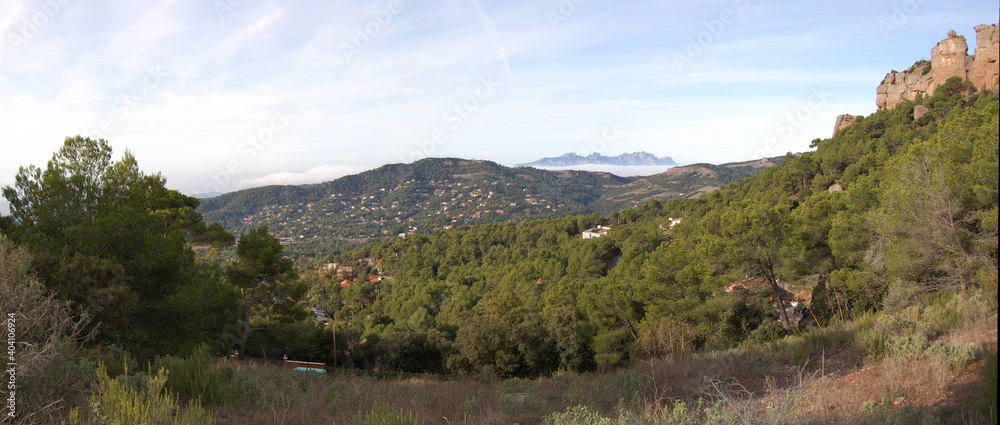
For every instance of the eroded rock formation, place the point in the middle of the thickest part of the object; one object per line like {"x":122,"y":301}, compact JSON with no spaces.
{"x":985,"y":69}
{"x":843,"y":121}
{"x":949,"y":58}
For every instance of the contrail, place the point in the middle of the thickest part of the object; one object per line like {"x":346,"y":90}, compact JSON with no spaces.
{"x":493,"y":33}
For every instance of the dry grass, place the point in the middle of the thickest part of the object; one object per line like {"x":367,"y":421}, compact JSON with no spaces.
{"x":763,"y":384}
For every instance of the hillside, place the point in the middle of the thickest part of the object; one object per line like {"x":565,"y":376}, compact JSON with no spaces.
{"x":689,"y":181}
{"x":890,"y":214}
{"x":443,"y":193}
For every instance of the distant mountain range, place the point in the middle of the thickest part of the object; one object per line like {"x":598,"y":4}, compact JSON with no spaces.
{"x":571,"y":159}
{"x":443,"y":193}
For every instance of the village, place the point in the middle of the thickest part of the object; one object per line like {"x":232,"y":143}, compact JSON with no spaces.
{"x":399,"y":211}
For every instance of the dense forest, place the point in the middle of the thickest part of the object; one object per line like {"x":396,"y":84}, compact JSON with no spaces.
{"x":98,"y":257}
{"x":888,"y":208}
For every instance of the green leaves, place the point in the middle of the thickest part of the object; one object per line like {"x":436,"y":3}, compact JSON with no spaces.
{"x":937,"y":212}
{"x":110,"y":238}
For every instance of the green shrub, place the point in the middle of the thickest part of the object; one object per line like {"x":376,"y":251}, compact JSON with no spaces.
{"x":197,"y":376}
{"x":630,"y":386}
{"x":955,"y":355}
{"x":941,"y":316}
{"x":578,"y":415}
{"x":138,"y":401}
{"x":870,"y":344}
{"x":269,"y":387}
{"x":908,"y":347}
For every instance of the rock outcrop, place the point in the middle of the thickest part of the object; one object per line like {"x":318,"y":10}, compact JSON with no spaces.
{"x":950,"y":58}
{"x":985,"y":70}
{"x":843,"y":121}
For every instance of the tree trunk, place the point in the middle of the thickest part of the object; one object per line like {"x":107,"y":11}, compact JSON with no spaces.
{"x":780,"y":304}
{"x":772,"y":280}
{"x":246,"y":321}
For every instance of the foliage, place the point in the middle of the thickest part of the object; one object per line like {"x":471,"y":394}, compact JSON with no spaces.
{"x":46,"y":336}
{"x":438,"y":193}
{"x":263,"y":275}
{"x":528,"y":298}
{"x":197,"y":377}
{"x":112,"y":240}
{"x":123,"y":402}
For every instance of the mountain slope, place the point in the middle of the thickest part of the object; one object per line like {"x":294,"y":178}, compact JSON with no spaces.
{"x":441,"y":193}
{"x":689,"y":181}
{"x":433,"y":193}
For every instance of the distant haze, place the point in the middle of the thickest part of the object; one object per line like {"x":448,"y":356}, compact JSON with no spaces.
{"x":619,"y":170}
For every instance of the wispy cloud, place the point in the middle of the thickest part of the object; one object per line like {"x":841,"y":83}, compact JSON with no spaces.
{"x":222,"y":78}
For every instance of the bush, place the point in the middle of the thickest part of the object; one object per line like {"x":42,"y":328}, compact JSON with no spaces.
{"x":908,"y":347}
{"x":49,"y":381}
{"x":955,"y":355}
{"x":138,"y":401}
{"x":197,"y":377}
{"x":272,"y":388}
{"x":578,"y":415}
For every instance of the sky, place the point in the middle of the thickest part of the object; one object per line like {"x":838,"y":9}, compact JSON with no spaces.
{"x":220,"y":95}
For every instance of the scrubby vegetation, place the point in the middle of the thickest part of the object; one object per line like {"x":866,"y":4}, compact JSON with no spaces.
{"x":888,"y":232}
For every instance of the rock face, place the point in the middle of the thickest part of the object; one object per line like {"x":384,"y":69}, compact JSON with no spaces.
{"x":949,"y":58}
{"x":843,"y":121}
{"x":897,"y":87}
{"x":985,"y":69}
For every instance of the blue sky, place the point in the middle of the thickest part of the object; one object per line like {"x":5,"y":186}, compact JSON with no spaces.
{"x":220,"y":95}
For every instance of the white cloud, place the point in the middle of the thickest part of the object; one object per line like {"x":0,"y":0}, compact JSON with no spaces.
{"x":223,"y":77}
{"x":314,"y":175}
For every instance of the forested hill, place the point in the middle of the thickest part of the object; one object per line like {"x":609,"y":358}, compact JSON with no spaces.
{"x":441,"y":193}
{"x":889,"y":211}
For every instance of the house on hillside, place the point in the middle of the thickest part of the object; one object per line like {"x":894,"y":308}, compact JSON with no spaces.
{"x":345,"y":272}
{"x":319,"y":316}
{"x":596,"y":232}
{"x":346,"y":283}
{"x":675,"y":221}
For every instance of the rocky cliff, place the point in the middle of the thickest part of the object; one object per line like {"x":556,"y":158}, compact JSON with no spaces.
{"x":950,"y":58}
